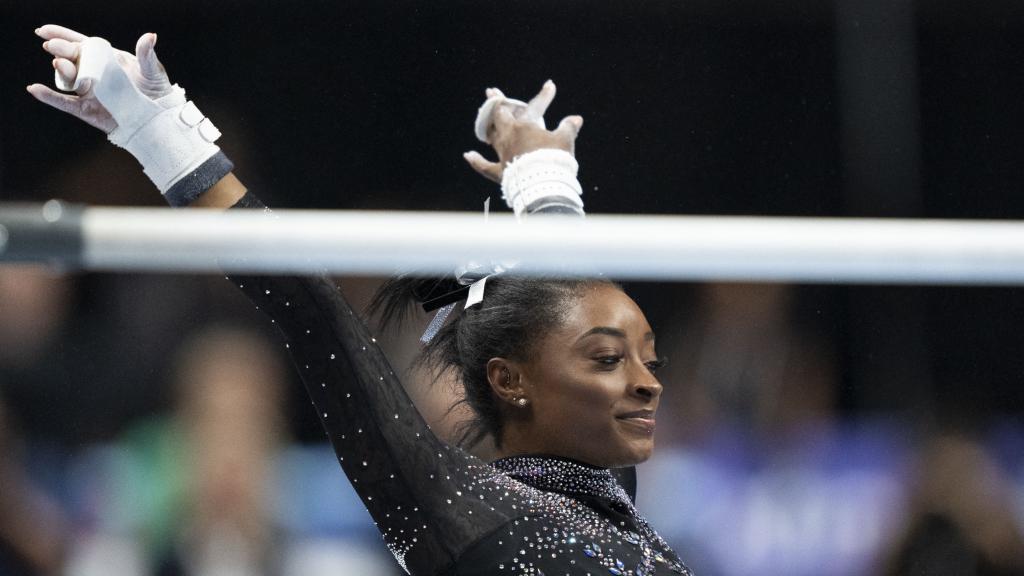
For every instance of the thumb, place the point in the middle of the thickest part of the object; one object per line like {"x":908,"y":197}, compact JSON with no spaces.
{"x":486,"y":168}
{"x":150,"y":66}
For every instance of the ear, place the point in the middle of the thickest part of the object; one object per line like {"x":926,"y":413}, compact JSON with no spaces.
{"x":505,"y":378}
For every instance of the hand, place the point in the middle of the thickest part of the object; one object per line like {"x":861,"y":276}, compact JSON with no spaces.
{"x":143,"y":68}
{"x":515,"y":129}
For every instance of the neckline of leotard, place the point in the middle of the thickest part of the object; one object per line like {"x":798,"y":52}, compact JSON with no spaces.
{"x":565,"y":476}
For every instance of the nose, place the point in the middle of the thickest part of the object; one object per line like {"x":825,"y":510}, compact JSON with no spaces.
{"x":644,"y":384}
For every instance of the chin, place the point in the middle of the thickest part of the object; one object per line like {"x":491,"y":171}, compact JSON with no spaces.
{"x":634,"y":455}
{"x":644,"y":456}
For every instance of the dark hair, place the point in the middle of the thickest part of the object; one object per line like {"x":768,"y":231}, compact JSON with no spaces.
{"x":508,"y":323}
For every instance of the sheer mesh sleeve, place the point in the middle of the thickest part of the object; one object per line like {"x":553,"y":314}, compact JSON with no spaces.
{"x":428,"y":499}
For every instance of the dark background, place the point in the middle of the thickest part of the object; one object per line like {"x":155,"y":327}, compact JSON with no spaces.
{"x":847,"y":108}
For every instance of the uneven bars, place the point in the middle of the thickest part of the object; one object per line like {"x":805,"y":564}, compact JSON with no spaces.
{"x":830,"y":250}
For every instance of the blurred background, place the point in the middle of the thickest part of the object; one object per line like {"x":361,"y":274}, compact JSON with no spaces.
{"x":151,"y":424}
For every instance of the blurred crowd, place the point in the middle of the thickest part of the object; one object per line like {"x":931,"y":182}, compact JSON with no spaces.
{"x":151,"y":425}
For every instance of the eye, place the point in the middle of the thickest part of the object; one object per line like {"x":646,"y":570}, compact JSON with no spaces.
{"x":608,"y":362}
{"x":653,"y":365}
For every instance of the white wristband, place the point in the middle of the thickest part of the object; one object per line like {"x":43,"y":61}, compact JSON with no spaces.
{"x":169,"y":136}
{"x":545,"y":173}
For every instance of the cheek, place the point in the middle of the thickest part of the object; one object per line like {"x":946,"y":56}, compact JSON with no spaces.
{"x":583,"y":404}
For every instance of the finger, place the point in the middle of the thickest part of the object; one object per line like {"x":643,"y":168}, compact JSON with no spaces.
{"x":63,"y":102}
{"x":569,"y":127}
{"x":67,"y":70}
{"x":539,"y":104}
{"x":149,"y":64}
{"x":494,"y":93}
{"x":86,"y":109}
{"x":62,"y":48}
{"x":487,"y":169}
{"x":50,"y":31}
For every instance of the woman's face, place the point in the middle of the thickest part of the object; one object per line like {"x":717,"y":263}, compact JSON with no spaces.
{"x":591,"y":385}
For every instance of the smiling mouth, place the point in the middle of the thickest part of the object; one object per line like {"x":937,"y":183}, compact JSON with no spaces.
{"x":643,"y":419}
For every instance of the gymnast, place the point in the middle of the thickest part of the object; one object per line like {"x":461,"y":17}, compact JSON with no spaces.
{"x":559,"y":373}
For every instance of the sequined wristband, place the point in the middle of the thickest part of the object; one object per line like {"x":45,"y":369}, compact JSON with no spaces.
{"x":542,"y":179}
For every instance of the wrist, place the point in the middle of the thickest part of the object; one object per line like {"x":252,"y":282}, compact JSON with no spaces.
{"x":542,"y":178}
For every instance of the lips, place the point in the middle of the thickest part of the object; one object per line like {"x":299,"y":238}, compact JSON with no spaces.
{"x":642,"y":418}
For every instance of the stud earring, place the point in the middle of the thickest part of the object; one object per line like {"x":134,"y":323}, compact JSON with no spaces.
{"x":522,"y":402}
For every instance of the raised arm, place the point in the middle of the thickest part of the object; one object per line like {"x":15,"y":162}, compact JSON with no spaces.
{"x":429,"y":500}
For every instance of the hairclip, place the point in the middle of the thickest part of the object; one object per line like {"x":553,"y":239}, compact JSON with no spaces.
{"x":472,"y":279}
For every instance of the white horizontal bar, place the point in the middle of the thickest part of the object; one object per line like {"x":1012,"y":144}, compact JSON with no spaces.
{"x":626,"y":247}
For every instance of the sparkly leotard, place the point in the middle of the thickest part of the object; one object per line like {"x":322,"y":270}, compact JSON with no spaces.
{"x":440,"y":509}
